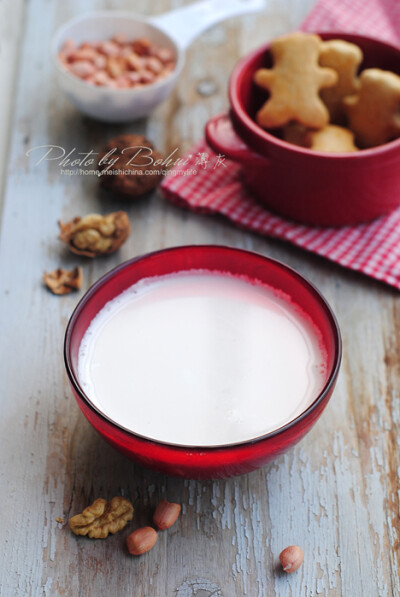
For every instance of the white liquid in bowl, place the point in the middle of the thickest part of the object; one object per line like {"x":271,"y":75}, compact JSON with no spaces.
{"x":201,"y":359}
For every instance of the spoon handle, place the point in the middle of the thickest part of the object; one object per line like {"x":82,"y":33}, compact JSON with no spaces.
{"x":186,"y":23}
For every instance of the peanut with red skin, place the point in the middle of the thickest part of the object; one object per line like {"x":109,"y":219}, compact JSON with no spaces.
{"x":141,"y":541}
{"x":111,"y":63}
{"x":291,"y":558}
{"x":166,"y":515}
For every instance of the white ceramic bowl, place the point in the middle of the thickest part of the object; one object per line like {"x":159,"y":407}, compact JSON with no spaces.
{"x":105,"y":103}
{"x":174,"y":30}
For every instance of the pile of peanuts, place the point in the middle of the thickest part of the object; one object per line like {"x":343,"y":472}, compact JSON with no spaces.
{"x":145,"y":538}
{"x":119,"y":62}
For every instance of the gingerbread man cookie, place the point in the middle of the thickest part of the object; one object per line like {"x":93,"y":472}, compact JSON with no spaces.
{"x":294,"y":133}
{"x":344,"y":58}
{"x":373,"y":112}
{"x":331,"y":138}
{"x":294,"y":83}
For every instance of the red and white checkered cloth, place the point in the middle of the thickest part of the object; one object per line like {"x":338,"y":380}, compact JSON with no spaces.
{"x":216,"y":188}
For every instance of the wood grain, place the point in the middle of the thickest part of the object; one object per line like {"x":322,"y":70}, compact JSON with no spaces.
{"x":10,"y":34}
{"x":336,"y":494}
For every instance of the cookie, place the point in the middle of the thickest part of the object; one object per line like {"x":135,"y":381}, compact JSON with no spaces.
{"x":295,"y":133}
{"x":135,"y":171}
{"x":294,"y":83}
{"x":373,"y":112}
{"x":331,"y":138}
{"x":345,"y":58}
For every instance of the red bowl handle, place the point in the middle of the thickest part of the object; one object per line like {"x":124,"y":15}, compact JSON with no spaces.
{"x":223,"y":139}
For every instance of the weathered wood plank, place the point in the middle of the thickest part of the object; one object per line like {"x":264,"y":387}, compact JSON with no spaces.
{"x":11,"y":21}
{"x":336,"y":494}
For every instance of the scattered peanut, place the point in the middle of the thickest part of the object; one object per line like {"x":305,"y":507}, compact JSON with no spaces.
{"x":110,"y":63}
{"x":166,"y":515}
{"x":291,"y":558}
{"x":141,"y":541}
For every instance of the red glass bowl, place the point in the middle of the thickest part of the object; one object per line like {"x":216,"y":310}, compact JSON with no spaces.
{"x":313,"y":187}
{"x":203,"y":462}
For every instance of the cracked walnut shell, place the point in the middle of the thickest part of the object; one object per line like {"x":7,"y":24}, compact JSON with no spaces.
{"x":102,"y":518}
{"x":94,"y":234}
{"x":63,"y":281}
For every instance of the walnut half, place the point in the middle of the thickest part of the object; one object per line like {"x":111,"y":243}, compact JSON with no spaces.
{"x":94,"y":234}
{"x":102,"y":518}
{"x":63,"y":281}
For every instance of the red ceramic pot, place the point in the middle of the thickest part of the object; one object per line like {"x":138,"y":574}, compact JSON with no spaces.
{"x":199,"y":462}
{"x":309,"y":186}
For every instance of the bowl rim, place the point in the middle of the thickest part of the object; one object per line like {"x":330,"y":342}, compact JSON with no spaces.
{"x":262,"y":137}
{"x":103,"y":280}
{"x":125,"y":15}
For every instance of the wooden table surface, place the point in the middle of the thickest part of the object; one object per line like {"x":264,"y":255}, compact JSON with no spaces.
{"x":336,"y":494}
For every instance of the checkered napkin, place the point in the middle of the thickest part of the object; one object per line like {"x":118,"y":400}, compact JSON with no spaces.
{"x":216,"y":188}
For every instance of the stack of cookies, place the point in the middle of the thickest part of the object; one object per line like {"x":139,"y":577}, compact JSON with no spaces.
{"x":318,"y":100}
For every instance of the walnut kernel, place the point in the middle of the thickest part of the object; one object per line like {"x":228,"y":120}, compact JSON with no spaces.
{"x":63,"y":281}
{"x":102,"y":518}
{"x":94,"y":234}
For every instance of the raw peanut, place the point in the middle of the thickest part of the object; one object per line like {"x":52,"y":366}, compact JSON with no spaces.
{"x":100,"y":61}
{"x":117,"y":62}
{"x":154,"y":65}
{"x":82,"y":68}
{"x":165,"y":55}
{"x":123,"y":82}
{"x":125,"y":51}
{"x":142,"y":46}
{"x":291,"y":558}
{"x":115,"y":67}
{"x":133,"y":78}
{"x":141,"y":541}
{"x":134,"y":61}
{"x":121,"y":39}
{"x":167,"y":70}
{"x":166,"y":515}
{"x":101,"y":78}
{"x":63,"y":58}
{"x":69,"y":47}
{"x":84,"y":54}
{"x":146,"y":77}
{"x":109,"y":48}
{"x":91,"y":44}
